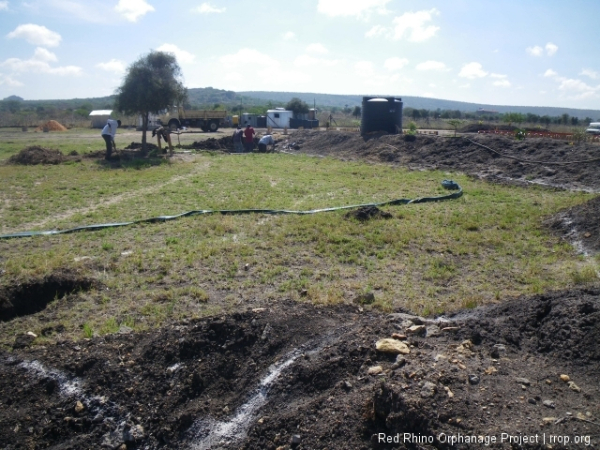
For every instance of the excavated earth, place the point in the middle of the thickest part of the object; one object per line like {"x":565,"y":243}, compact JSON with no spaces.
{"x":520,"y":374}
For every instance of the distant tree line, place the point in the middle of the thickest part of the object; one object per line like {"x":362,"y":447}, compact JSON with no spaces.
{"x":511,"y":118}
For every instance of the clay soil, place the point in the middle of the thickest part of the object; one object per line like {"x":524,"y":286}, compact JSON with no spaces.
{"x":523,"y":372}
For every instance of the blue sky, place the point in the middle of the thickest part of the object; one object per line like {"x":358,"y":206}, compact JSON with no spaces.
{"x":509,"y":52}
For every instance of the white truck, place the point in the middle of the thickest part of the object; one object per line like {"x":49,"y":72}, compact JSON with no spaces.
{"x":593,"y":128}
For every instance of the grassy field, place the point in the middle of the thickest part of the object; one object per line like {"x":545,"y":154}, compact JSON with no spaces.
{"x":429,"y":258}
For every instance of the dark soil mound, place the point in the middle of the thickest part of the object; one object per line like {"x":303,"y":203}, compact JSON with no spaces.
{"x":307,"y":377}
{"x":580,"y":224}
{"x":368,"y":212}
{"x":223,"y":143}
{"x":37,"y":155}
{"x":32,"y":296}
{"x":138,"y":146}
{"x":462,"y":154}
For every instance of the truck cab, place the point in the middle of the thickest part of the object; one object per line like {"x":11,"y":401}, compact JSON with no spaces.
{"x":593,"y":128}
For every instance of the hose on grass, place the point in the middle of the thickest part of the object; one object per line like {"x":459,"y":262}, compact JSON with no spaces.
{"x":447,"y":184}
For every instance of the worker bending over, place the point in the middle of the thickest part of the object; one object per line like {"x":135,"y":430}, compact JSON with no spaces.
{"x":264,"y":142}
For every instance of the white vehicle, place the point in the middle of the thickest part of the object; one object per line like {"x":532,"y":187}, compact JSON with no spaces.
{"x":594,"y":128}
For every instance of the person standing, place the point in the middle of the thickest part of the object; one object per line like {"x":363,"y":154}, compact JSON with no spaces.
{"x":238,"y":145}
{"x":108,"y":133}
{"x":265,"y":141}
{"x":249,"y":136}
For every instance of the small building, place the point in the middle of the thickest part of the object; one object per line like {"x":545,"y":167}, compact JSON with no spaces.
{"x":99,"y":117}
{"x":279,"y":118}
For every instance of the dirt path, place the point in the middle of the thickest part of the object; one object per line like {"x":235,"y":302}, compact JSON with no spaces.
{"x":114,"y":199}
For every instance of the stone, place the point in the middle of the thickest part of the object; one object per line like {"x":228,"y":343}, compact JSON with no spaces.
{"x":428,"y":389}
{"x":135,"y":433}
{"x":296,"y":439}
{"x":474,"y":379}
{"x":565,"y":378}
{"x":549,"y":419}
{"x":398,"y":336}
{"x":375,"y":370}
{"x":22,"y":341}
{"x":574,"y":387}
{"x":523,"y":381}
{"x":549,"y":404}
{"x":32,"y":334}
{"x":532,"y":401}
{"x":365,"y":299}
{"x":449,"y":392}
{"x":491,"y":370}
{"x":79,"y":407}
{"x":124,"y":329}
{"x":394,"y":346}
{"x":418,"y":330}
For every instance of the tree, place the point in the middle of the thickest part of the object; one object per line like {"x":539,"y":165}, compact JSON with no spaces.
{"x":297,"y":106}
{"x":357,"y":112}
{"x":455,"y":123}
{"x":511,"y":118}
{"x":151,"y":84}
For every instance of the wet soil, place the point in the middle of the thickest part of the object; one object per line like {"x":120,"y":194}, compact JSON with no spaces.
{"x":480,"y":373}
{"x":519,"y":374}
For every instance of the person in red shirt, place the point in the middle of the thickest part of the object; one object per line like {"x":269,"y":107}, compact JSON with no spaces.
{"x":249,"y":138}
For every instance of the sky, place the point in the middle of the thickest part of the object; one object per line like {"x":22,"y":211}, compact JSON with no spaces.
{"x":508,"y":52}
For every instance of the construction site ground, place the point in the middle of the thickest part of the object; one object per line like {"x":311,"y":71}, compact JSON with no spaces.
{"x":522,"y":373}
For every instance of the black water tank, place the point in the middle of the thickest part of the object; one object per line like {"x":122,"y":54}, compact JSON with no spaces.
{"x":381,"y":114}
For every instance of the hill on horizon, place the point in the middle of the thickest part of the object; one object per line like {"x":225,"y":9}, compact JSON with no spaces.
{"x":329,"y":100}
{"x":210,"y":98}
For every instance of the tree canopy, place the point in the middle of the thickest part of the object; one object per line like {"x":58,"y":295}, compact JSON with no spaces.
{"x":297,"y":106}
{"x":151,"y":84}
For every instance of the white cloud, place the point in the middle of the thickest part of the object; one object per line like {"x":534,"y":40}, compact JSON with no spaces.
{"x":497,"y":75}
{"x":535,"y":51}
{"x":356,"y":8}
{"x":472,"y":70}
{"x":132,"y":10}
{"x":550,"y":73}
{"x":307,"y":60}
{"x":39,"y":63}
{"x":502,"y":83}
{"x":207,"y":8}
{"x":465,"y":86}
{"x":376,"y":31}
{"x":42,"y":54}
{"x":551,"y":49}
{"x":9,"y":81}
{"x":289,"y":36}
{"x":432,"y":65}
{"x":36,"y":35}
{"x":266,"y":70}
{"x":3,"y":7}
{"x":317,"y":48}
{"x":364,"y":69}
{"x":590,"y":73}
{"x":182,"y":56}
{"x":395,"y":63}
{"x":114,"y":65}
{"x":414,"y":25}
{"x":577,"y":89}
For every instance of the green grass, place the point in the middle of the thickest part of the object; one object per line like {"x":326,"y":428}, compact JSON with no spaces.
{"x":430,"y":258}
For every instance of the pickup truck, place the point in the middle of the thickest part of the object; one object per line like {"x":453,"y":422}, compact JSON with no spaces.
{"x":208,"y":120}
{"x":594,"y":128}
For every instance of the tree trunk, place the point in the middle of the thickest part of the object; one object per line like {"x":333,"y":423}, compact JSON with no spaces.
{"x":144,"y":129}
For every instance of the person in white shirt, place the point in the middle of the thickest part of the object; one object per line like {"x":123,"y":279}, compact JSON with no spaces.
{"x":267,"y":139}
{"x":108,"y":133}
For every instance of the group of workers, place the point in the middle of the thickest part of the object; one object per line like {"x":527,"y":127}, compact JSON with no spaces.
{"x":243,"y":140}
